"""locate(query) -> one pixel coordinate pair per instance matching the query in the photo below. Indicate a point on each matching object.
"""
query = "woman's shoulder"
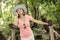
(27, 15)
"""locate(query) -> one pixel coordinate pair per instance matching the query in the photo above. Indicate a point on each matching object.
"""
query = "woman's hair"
(23, 13)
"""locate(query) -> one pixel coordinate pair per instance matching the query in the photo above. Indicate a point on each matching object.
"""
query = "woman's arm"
(38, 21)
(14, 24)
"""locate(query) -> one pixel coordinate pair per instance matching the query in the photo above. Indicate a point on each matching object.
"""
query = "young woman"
(22, 20)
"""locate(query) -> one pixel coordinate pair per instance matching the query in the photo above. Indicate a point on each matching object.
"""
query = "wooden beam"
(51, 33)
(13, 34)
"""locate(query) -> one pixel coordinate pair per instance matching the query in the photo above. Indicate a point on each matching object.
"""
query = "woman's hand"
(16, 14)
(49, 23)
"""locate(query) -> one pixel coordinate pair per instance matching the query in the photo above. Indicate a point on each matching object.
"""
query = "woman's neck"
(22, 16)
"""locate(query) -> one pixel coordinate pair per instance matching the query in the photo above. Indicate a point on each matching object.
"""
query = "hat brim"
(19, 6)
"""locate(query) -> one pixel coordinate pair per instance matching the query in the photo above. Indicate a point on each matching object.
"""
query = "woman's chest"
(24, 22)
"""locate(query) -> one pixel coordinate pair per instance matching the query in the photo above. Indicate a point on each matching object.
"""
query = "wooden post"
(51, 33)
(13, 34)
(56, 34)
(9, 38)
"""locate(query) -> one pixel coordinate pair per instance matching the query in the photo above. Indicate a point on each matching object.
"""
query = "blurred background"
(50, 9)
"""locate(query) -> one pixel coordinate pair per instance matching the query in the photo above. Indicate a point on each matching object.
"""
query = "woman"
(22, 20)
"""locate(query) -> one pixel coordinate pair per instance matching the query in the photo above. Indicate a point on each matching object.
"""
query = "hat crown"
(19, 6)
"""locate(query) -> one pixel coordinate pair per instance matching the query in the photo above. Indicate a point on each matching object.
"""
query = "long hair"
(22, 14)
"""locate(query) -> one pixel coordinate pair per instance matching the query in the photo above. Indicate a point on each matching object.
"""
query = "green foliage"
(35, 8)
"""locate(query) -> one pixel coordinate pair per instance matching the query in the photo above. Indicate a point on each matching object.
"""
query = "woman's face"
(20, 11)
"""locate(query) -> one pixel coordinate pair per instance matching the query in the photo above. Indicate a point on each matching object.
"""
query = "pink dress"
(25, 32)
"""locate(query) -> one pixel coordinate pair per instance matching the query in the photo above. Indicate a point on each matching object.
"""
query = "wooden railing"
(12, 37)
(51, 34)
